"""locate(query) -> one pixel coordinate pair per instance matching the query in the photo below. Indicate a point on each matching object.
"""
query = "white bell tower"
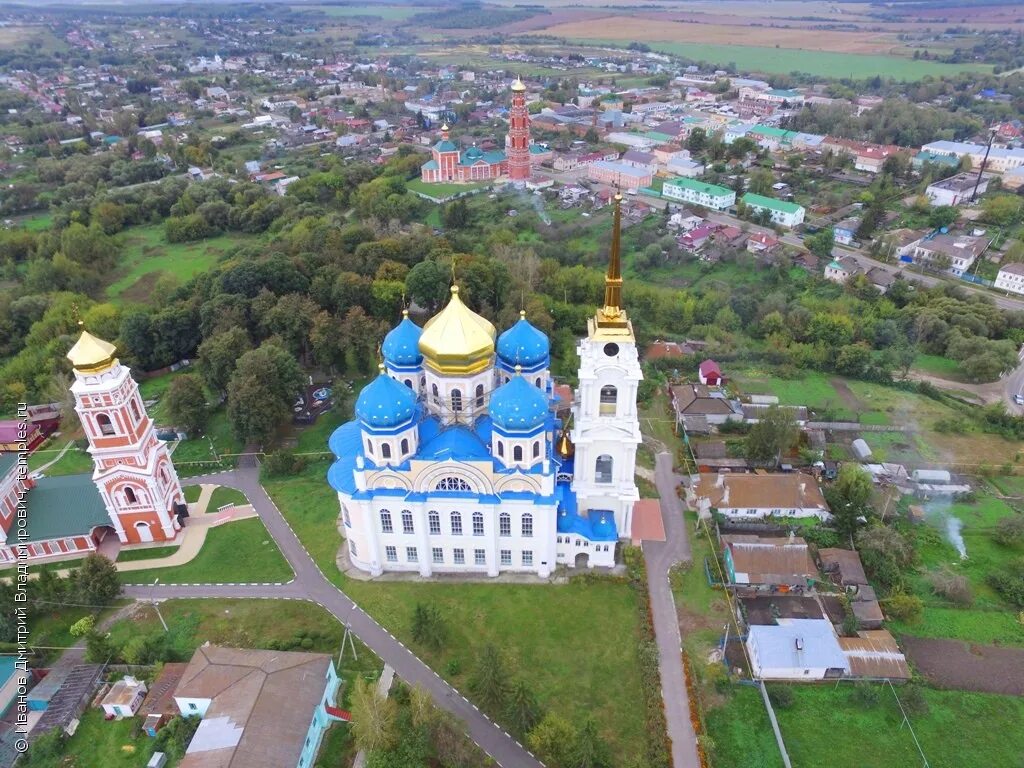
(606, 426)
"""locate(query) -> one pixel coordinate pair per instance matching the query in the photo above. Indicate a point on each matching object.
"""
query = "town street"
(660, 556)
(310, 584)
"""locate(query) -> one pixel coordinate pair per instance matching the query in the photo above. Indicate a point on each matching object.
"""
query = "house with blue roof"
(457, 462)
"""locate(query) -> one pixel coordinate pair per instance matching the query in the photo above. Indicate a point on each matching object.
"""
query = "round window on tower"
(611, 349)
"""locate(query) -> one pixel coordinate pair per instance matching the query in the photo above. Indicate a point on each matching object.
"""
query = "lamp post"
(984, 162)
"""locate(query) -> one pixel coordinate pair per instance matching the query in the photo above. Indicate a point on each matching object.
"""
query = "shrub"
(903, 607)
(913, 700)
(1009, 582)
(83, 626)
(781, 696)
(866, 694)
(952, 586)
(453, 668)
(1010, 531)
(283, 463)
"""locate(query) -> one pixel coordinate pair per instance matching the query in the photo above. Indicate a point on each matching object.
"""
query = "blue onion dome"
(518, 406)
(523, 344)
(474, 153)
(385, 402)
(402, 344)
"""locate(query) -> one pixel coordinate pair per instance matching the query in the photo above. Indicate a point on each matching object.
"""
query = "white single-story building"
(796, 649)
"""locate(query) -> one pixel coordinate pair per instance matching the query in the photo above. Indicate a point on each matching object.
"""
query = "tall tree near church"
(373, 717)
(490, 681)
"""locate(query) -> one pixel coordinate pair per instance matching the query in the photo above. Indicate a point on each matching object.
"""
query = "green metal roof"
(430, 165)
(698, 186)
(658, 136)
(446, 146)
(64, 506)
(760, 201)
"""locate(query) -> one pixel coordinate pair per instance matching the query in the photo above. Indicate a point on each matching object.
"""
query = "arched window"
(135, 409)
(385, 450)
(435, 393)
(501, 449)
(434, 521)
(423, 381)
(456, 521)
(536, 448)
(452, 484)
(504, 524)
(369, 447)
(345, 517)
(479, 395)
(536, 382)
(478, 524)
(385, 522)
(129, 496)
(456, 401)
(106, 428)
(405, 445)
(163, 476)
(408, 383)
(527, 525)
(603, 469)
(407, 522)
(609, 397)
(517, 453)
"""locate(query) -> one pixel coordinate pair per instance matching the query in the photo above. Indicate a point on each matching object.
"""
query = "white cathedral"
(456, 462)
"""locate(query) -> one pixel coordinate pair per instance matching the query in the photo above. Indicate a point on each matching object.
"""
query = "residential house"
(260, 709)
(638, 159)
(900, 243)
(688, 169)
(782, 212)
(843, 566)
(845, 231)
(872, 159)
(757, 561)
(796, 649)
(957, 189)
(694, 239)
(699, 407)
(790, 494)
(661, 349)
(1000, 159)
(881, 279)
(710, 373)
(762, 242)
(842, 268)
(954, 253)
(685, 220)
(1011, 278)
(698, 193)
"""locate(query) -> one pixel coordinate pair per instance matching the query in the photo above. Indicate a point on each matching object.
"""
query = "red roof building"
(710, 373)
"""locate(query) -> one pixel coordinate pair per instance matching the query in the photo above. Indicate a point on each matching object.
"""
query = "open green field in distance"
(386, 12)
(147, 256)
(441, 190)
(752, 58)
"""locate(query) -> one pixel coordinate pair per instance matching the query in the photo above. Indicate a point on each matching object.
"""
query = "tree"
(697, 140)
(427, 284)
(373, 717)
(186, 403)
(770, 437)
(821, 243)
(942, 216)
(553, 740)
(261, 392)
(885, 554)
(490, 679)
(95, 581)
(1010, 531)
(218, 356)
(590, 750)
(428, 627)
(522, 710)
(761, 182)
(848, 498)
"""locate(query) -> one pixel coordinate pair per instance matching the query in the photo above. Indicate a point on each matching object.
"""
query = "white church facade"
(457, 463)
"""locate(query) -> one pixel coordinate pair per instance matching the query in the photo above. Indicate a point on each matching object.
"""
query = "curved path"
(660, 556)
(310, 584)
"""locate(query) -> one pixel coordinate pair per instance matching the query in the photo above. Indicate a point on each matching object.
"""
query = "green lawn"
(987, 627)
(386, 12)
(812, 389)
(752, 58)
(442, 190)
(151, 553)
(222, 496)
(210, 451)
(241, 551)
(147, 256)
(75, 461)
(38, 223)
(936, 365)
(741, 731)
(101, 744)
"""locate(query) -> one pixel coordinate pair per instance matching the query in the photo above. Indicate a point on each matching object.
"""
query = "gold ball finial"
(444, 126)
(519, 369)
(405, 313)
(522, 314)
(380, 368)
(455, 290)
(618, 197)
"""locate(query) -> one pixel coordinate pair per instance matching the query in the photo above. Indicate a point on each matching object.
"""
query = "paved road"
(310, 584)
(660, 556)
(1013, 384)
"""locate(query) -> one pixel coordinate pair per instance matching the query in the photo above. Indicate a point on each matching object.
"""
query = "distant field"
(749, 58)
(147, 256)
(24, 36)
(441, 190)
(386, 12)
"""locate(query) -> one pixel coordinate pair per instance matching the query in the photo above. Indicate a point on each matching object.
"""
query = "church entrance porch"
(582, 560)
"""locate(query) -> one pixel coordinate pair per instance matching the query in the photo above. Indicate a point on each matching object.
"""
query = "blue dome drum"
(385, 403)
(523, 345)
(518, 406)
(401, 346)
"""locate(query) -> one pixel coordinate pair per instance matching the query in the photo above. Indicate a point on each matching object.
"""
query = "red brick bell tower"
(517, 144)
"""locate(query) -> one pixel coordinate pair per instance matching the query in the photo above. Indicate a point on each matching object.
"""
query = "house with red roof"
(709, 373)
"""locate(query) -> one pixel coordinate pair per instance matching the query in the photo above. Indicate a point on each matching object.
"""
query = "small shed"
(158, 760)
(152, 724)
(931, 476)
(710, 373)
(124, 698)
(861, 449)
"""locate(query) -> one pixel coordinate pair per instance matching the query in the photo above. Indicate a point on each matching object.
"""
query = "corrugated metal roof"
(64, 506)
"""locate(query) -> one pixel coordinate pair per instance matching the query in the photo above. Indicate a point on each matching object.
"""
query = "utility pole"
(156, 606)
(984, 162)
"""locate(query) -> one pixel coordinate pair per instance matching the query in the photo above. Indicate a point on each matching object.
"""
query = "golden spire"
(565, 447)
(612, 315)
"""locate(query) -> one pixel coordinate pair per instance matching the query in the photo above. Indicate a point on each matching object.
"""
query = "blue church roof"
(459, 443)
(518, 406)
(597, 525)
(401, 345)
(524, 345)
(346, 443)
(385, 403)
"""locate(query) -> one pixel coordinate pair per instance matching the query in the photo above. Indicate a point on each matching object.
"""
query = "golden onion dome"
(518, 86)
(91, 355)
(457, 340)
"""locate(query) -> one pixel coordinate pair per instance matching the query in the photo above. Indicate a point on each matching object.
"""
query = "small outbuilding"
(861, 449)
(796, 649)
(931, 476)
(124, 698)
(710, 373)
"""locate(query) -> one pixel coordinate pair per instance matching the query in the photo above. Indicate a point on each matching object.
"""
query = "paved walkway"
(660, 556)
(311, 584)
(51, 462)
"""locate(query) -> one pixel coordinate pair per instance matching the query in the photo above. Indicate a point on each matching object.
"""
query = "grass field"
(534, 625)
(936, 365)
(812, 389)
(385, 12)
(749, 58)
(441, 190)
(98, 743)
(240, 551)
(38, 223)
(75, 461)
(147, 256)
